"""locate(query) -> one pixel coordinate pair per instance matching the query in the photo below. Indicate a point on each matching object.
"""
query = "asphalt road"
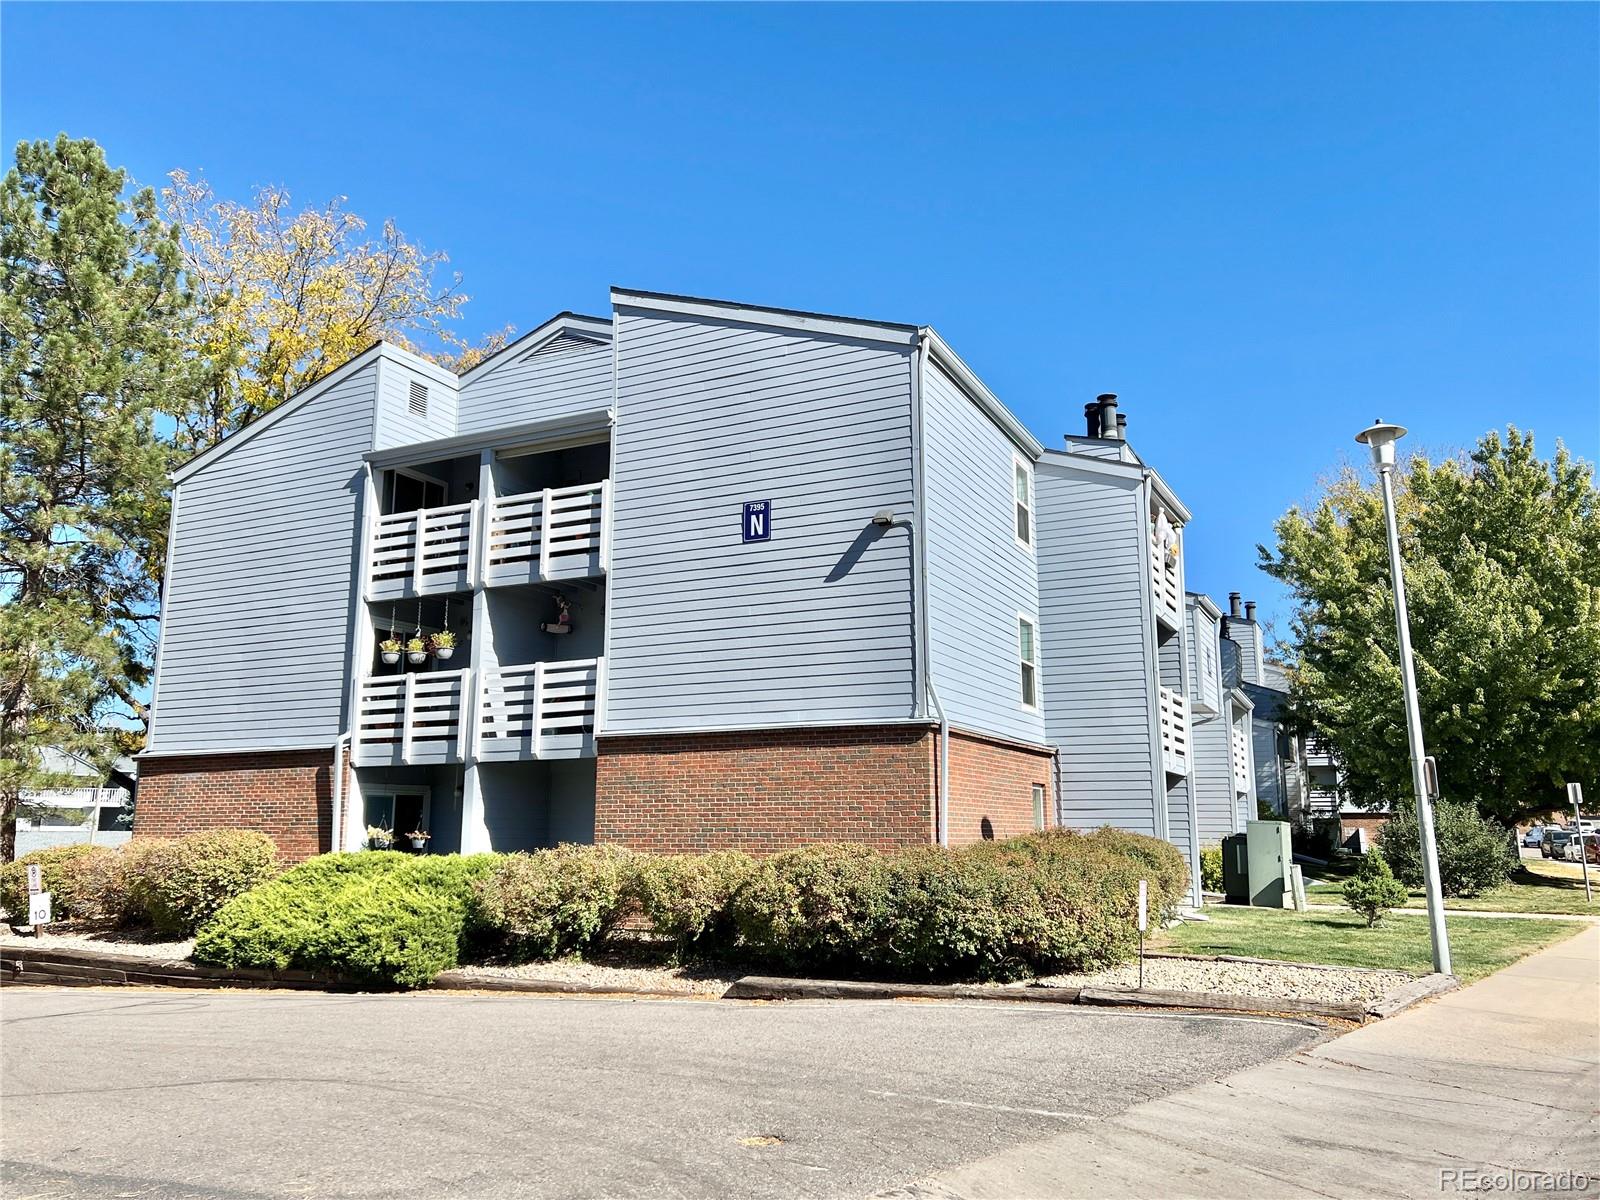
(215, 1094)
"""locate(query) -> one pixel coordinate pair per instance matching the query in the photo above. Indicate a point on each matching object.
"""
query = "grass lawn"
(1541, 886)
(1479, 946)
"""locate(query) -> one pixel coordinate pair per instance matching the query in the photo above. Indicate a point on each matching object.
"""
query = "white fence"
(429, 550)
(1164, 581)
(1174, 732)
(1241, 759)
(412, 718)
(541, 710)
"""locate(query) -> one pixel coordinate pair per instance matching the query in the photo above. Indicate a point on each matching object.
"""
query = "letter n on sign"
(758, 520)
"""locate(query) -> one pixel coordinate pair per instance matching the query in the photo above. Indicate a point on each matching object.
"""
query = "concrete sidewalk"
(1500, 1076)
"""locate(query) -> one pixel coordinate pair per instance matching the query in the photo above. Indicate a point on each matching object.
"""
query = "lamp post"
(1380, 438)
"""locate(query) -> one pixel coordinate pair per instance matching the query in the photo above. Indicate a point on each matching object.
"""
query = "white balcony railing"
(1241, 759)
(541, 710)
(412, 718)
(1174, 732)
(1165, 581)
(426, 551)
(558, 533)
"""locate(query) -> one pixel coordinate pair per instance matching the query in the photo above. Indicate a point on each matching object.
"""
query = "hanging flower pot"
(419, 839)
(443, 644)
(416, 651)
(390, 649)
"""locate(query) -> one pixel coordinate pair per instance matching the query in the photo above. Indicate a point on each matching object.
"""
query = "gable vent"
(566, 343)
(419, 399)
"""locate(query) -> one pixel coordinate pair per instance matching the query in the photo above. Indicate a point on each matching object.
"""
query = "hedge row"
(1043, 903)
(173, 886)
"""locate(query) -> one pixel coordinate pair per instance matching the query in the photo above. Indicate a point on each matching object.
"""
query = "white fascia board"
(1239, 698)
(1206, 605)
(238, 438)
(1168, 497)
(423, 366)
(775, 318)
(980, 395)
(1129, 474)
(598, 328)
(596, 422)
(762, 726)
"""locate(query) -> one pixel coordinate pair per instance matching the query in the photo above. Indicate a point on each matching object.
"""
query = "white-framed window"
(1028, 658)
(1022, 509)
(1038, 806)
(399, 808)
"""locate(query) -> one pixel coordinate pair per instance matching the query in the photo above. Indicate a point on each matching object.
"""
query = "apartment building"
(694, 574)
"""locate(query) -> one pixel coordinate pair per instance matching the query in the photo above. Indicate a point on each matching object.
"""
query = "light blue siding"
(261, 597)
(396, 423)
(1212, 778)
(979, 576)
(1094, 639)
(815, 625)
(566, 376)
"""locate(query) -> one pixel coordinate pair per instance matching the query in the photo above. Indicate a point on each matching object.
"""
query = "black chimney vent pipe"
(1122, 427)
(1233, 605)
(1091, 418)
(1249, 610)
(1107, 402)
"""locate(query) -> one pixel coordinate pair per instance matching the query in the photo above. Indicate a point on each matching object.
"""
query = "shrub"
(550, 903)
(1475, 853)
(1373, 890)
(381, 918)
(71, 874)
(814, 906)
(1211, 868)
(180, 884)
(1165, 867)
(688, 896)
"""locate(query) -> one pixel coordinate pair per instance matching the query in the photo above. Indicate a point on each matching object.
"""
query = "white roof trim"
(1168, 496)
(1206, 604)
(563, 322)
(967, 380)
(1083, 464)
(239, 437)
(416, 362)
(776, 318)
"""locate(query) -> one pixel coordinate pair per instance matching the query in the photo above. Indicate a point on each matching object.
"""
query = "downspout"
(340, 754)
(920, 549)
(944, 768)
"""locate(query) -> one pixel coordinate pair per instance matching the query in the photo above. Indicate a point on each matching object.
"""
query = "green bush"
(550, 903)
(1373, 890)
(687, 897)
(1165, 867)
(180, 884)
(816, 906)
(380, 918)
(1475, 853)
(1211, 868)
(71, 874)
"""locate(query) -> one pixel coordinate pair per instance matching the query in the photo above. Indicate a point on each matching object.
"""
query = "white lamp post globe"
(1381, 437)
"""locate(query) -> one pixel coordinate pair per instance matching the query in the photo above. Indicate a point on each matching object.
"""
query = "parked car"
(1555, 842)
(1534, 836)
(1579, 845)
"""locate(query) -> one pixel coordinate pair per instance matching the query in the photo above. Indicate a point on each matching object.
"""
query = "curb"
(20, 965)
(774, 987)
(1413, 993)
(460, 981)
(1347, 1010)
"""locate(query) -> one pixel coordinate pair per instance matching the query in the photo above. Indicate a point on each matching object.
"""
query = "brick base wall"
(287, 795)
(991, 788)
(767, 790)
(1371, 826)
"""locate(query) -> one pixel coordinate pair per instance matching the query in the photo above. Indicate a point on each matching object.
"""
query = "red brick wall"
(767, 790)
(287, 795)
(991, 787)
(1373, 825)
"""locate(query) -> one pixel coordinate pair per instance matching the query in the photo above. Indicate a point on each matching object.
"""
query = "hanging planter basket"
(443, 653)
(390, 657)
(416, 651)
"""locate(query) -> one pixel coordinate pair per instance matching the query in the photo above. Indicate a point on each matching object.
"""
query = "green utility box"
(1271, 856)
(1236, 868)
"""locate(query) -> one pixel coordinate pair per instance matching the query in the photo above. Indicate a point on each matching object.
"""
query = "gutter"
(943, 818)
(340, 743)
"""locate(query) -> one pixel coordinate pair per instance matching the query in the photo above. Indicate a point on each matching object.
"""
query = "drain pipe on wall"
(944, 766)
(334, 841)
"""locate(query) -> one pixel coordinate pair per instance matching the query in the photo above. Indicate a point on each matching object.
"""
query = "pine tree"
(91, 338)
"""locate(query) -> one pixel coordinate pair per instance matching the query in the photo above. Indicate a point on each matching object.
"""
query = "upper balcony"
(1166, 576)
(1174, 732)
(1241, 758)
(533, 537)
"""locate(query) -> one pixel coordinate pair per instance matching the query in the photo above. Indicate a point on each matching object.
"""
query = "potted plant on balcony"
(419, 839)
(379, 838)
(390, 648)
(416, 651)
(563, 621)
(443, 644)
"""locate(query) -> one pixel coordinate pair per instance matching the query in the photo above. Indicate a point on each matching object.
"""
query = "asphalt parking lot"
(236, 1094)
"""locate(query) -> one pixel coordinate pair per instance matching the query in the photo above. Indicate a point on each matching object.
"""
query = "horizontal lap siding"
(565, 379)
(979, 576)
(1215, 805)
(706, 632)
(397, 425)
(258, 608)
(1092, 636)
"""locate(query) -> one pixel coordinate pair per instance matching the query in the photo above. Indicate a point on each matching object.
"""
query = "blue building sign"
(758, 520)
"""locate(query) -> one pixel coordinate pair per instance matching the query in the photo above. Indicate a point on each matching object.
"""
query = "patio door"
(400, 810)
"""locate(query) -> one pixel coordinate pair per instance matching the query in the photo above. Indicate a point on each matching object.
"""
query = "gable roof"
(562, 328)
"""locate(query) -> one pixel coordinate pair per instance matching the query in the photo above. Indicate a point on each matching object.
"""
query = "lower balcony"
(1174, 732)
(1241, 760)
(541, 710)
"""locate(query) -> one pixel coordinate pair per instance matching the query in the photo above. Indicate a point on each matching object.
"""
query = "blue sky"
(1261, 225)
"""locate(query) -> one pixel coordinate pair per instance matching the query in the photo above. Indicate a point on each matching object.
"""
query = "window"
(419, 399)
(1038, 806)
(1028, 653)
(1022, 484)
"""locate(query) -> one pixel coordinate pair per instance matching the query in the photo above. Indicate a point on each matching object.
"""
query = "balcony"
(555, 534)
(541, 710)
(1166, 586)
(1241, 760)
(1174, 732)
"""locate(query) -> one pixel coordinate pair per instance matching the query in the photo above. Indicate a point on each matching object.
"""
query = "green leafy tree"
(91, 337)
(1502, 569)
(1373, 890)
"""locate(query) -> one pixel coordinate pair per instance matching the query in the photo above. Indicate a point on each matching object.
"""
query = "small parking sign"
(39, 909)
(758, 520)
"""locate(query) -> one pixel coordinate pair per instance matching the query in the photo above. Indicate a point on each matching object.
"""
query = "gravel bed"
(690, 981)
(105, 942)
(1268, 980)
